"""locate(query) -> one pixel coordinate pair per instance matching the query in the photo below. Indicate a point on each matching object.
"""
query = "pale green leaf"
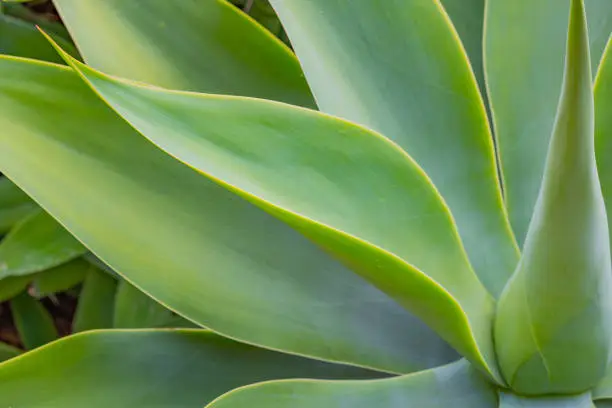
(95, 307)
(133, 309)
(147, 368)
(456, 385)
(574, 401)
(348, 189)
(397, 67)
(192, 45)
(60, 278)
(551, 330)
(218, 261)
(524, 49)
(33, 322)
(37, 243)
(15, 205)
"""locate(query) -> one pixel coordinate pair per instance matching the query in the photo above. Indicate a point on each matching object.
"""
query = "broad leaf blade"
(96, 302)
(60, 278)
(33, 322)
(524, 49)
(15, 205)
(37, 243)
(348, 189)
(551, 328)
(456, 385)
(12, 286)
(191, 45)
(134, 310)
(7, 352)
(218, 260)
(147, 368)
(515, 401)
(397, 67)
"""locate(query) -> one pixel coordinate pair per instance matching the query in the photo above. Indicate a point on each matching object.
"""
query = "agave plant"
(359, 239)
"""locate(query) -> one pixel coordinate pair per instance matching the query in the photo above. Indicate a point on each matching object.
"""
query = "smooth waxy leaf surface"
(14, 205)
(12, 286)
(133, 309)
(218, 261)
(397, 67)
(524, 49)
(125, 369)
(60, 278)
(37, 243)
(95, 308)
(301, 166)
(515, 401)
(190, 45)
(551, 330)
(33, 322)
(455, 385)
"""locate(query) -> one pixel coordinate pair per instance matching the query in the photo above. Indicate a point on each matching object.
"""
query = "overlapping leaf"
(218, 260)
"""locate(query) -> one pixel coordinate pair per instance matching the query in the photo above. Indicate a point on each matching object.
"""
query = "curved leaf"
(348, 189)
(148, 368)
(218, 261)
(37, 243)
(7, 352)
(192, 45)
(552, 328)
(12, 286)
(515, 401)
(14, 205)
(95, 307)
(397, 67)
(524, 49)
(33, 322)
(60, 278)
(456, 385)
(133, 309)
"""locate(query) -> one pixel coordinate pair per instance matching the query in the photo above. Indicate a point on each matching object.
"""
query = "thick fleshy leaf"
(301, 167)
(133, 309)
(515, 401)
(552, 328)
(7, 352)
(15, 205)
(37, 243)
(22, 39)
(468, 18)
(95, 308)
(60, 278)
(456, 385)
(33, 322)
(219, 261)
(524, 49)
(147, 368)
(12, 286)
(397, 67)
(191, 45)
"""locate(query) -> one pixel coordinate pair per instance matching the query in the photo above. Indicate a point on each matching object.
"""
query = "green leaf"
(191, 45)
(33, 322)
(218, 261)
(524, 49)
(134, 310)
(95, 307)
(574, 401)
(301, 167)
(14, 205)
(60, 278)
(7, 352)
(551, 330)
(456, 385)
(12, 286)
(37, 243)
(22, 39)
(147, 368)
(21, 12)
(397, 67)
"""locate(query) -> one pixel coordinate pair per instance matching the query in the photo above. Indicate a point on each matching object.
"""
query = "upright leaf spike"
(553, 329)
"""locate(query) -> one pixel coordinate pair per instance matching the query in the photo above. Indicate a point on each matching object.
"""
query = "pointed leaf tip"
(551, 333)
